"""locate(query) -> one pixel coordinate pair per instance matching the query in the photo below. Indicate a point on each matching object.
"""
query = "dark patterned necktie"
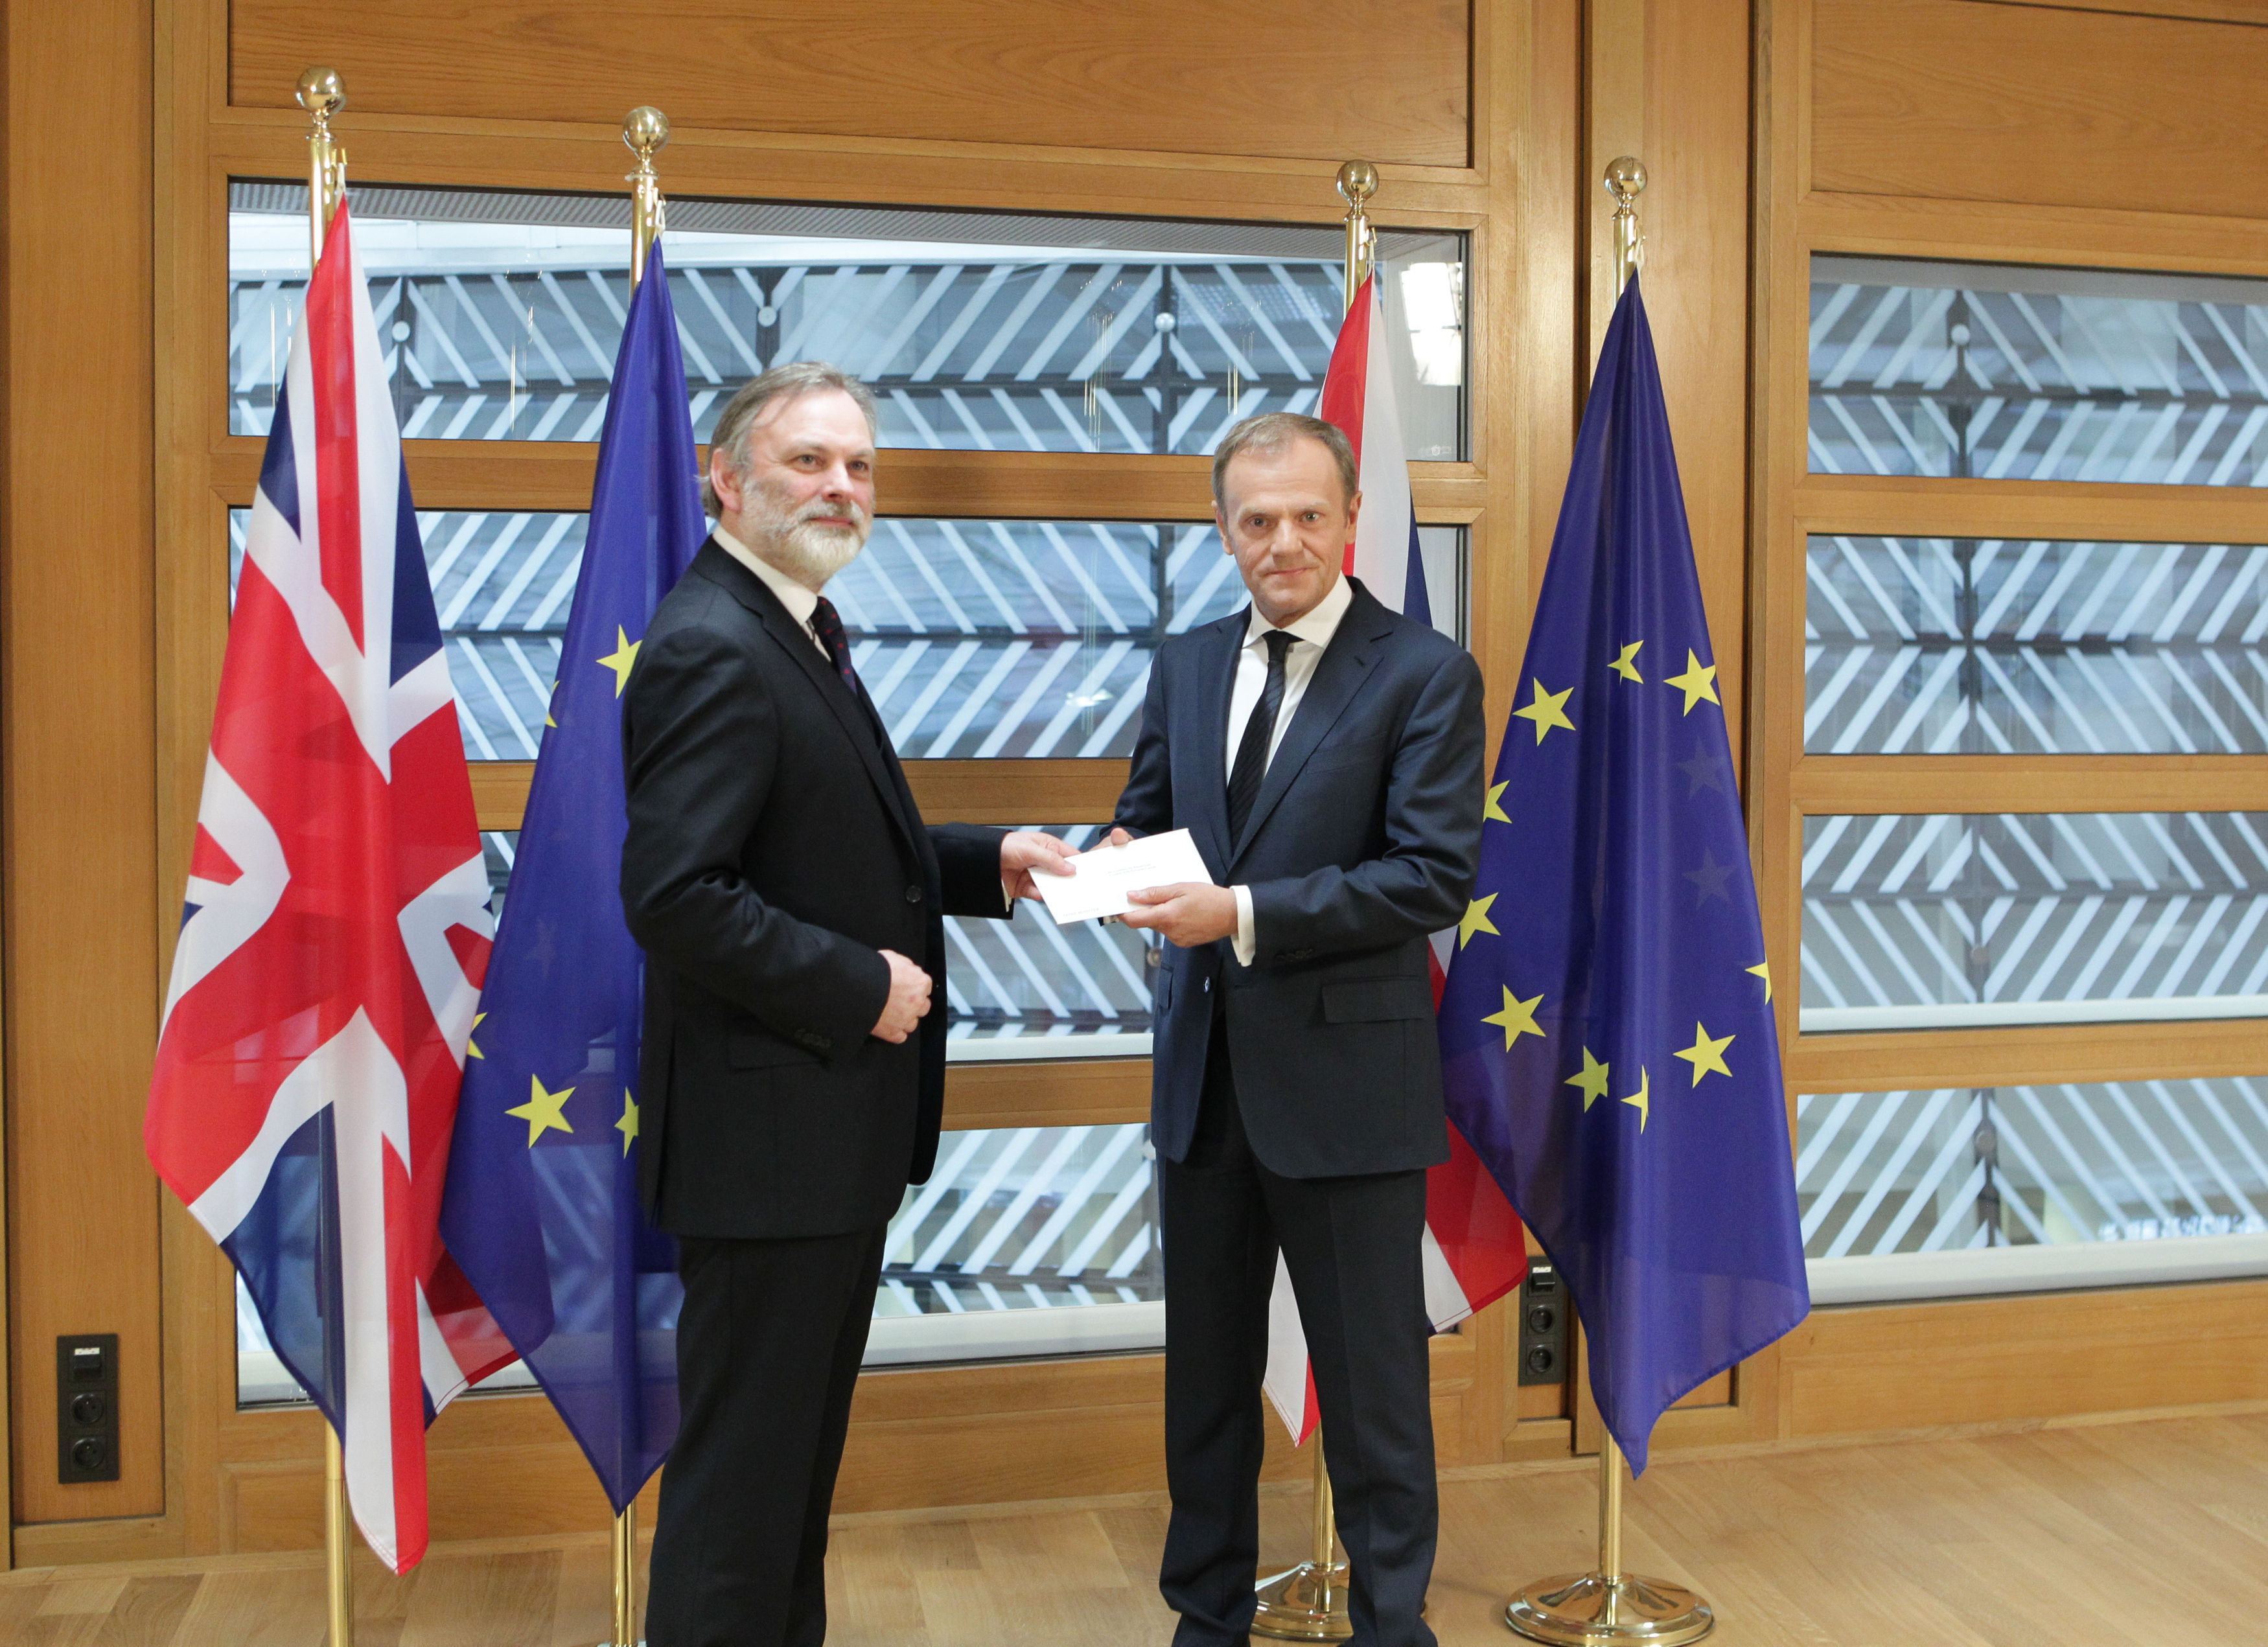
(1252, 754)
(826, 625)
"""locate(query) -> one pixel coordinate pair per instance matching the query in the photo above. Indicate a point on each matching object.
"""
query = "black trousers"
(1351, 1245)
(768, 1352)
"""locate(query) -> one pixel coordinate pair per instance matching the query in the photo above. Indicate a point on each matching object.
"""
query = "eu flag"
(1606, 1032)
(541, 1207)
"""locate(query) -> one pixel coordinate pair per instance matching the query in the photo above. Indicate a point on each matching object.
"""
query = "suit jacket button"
(913, 894)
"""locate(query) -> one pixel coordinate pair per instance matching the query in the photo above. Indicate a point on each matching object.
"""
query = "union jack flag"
(335, 932)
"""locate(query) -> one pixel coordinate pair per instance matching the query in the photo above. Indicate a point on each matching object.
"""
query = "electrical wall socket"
(86, 1408)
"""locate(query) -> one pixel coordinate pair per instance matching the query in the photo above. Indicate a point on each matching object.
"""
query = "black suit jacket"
(773, 850)
(1365, 840)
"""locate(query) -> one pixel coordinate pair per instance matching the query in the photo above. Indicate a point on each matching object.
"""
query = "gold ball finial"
(646, 130)
(1358, 182)
(322, 92)
(1626, 179)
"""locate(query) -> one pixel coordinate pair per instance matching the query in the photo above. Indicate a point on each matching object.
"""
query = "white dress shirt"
(1314, 633)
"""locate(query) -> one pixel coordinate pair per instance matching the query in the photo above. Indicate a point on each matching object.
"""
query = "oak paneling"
(1908, 1366)
(1318, 79)
(2031, 783)
(81, 919)
(2023, 1055)
(1955, 99)
(1669, 84)
(1074, 1092)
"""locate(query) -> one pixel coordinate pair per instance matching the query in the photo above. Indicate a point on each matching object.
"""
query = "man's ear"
(1220, 525)
(724, 482)
(1354, 514)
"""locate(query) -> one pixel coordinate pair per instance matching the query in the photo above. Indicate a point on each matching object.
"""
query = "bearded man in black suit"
(791, 905)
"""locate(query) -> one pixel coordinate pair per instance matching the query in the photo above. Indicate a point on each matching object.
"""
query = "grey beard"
(810, 554)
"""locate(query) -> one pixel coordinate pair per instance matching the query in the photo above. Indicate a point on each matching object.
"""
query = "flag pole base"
(1587, 1610)
(1307, 1604)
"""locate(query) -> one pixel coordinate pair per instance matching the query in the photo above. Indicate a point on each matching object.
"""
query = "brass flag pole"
(1308, 1602)
(1626, 180)
(336, 1527)
(322, 96)
(1611, 1607)
(646, 130)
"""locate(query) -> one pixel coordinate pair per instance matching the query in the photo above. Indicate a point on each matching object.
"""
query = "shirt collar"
(1318, 626)
(799, 601)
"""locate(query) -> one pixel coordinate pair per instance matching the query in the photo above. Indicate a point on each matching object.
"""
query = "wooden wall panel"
(1309, 79)
(81, 922)
(1956, 100)
(1995, 1360)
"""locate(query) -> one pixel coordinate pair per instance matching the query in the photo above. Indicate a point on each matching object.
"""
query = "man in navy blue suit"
(1326, 754)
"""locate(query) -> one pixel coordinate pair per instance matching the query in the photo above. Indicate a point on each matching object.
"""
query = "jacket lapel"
(1339, 675)
(1208, 814)
(860, 726)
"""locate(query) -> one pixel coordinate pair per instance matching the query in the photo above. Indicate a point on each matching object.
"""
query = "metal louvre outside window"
(2000, 372)
(1995, 661)
(976, 331)
(1992, 646)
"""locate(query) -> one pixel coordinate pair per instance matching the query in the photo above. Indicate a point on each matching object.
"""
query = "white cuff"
(1246, 940)
(1007, 897)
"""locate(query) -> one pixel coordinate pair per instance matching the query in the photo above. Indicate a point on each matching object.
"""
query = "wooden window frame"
(1786, 784)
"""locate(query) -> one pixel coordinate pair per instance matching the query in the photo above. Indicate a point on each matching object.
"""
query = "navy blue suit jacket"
(1365, 840)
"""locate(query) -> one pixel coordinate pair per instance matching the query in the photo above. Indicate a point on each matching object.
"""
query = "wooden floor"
(2092, 1535)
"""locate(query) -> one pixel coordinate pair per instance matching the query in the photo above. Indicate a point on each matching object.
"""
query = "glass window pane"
(1994, 646)
(978, 331)
(2002, 372)
(1923, 922)
(1916, 1172)
(975, 639)
(1025, 1242)
(1039, 1240)
(1029, 989)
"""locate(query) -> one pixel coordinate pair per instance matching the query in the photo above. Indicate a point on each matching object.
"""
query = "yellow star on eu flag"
(1699, 681)
(1762, 969)
(1641, 1100)
(1592, 1079)
(1626, 665)
(1706, 1055)
(471, 1051)
(1493, 811)
(541, 1110)
(1517, 1017)
(628, 1125)
(621, 658)
(1548, 710)
(1477, 920)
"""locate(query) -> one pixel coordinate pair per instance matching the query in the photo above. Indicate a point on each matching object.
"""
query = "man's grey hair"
(781, 383)
(1268, 433)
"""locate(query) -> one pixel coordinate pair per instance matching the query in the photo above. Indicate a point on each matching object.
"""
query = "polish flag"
(1474, 1252)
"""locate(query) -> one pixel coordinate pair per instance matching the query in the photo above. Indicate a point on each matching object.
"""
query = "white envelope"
(1101, 879)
